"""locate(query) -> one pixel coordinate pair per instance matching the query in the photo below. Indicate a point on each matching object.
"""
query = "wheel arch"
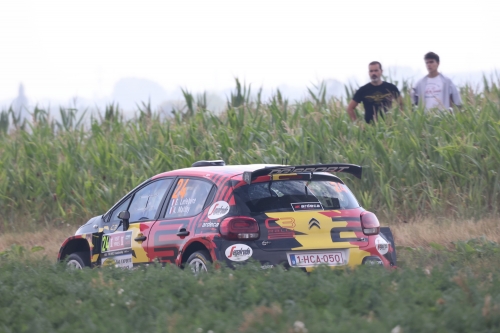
(192, 248)
(75, 245)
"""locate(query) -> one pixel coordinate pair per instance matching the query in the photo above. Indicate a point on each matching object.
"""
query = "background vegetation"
(435, 290)
(416, 164)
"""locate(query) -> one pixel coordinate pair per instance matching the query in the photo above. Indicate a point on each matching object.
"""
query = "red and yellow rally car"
(296, 216)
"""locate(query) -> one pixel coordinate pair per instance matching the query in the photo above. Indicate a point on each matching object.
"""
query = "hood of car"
(89, 226)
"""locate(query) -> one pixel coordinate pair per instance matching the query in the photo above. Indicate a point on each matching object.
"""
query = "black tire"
(198, 261)
(76, 261)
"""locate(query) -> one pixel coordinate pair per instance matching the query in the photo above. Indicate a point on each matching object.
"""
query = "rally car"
(296, 216)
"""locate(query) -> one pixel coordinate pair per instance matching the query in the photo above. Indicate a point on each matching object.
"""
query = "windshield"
(294, 195)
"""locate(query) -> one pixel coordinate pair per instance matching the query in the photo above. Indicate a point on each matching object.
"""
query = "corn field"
(416, 164)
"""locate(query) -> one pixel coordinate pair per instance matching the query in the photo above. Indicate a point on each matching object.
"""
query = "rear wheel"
(198, 261)
(75, 261)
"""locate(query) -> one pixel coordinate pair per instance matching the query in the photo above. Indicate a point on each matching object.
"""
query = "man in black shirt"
(376, 95)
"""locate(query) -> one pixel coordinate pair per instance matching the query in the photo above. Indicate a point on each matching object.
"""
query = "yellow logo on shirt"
(378, 97)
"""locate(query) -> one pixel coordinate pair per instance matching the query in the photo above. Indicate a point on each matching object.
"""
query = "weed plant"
(435, 295)
(416, 164)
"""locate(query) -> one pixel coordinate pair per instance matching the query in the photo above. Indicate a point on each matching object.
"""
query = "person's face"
(432, 65)
(375, 72)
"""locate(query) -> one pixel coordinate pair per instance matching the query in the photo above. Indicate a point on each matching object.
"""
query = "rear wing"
(353, 169)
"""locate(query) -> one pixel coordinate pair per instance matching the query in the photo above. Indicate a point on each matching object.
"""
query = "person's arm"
(350, 109)
(400, 102)
(455, 98)
(415, 93)
(397, 95)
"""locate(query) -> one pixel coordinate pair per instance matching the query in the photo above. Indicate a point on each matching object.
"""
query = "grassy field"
(437, 290)
(416, 165)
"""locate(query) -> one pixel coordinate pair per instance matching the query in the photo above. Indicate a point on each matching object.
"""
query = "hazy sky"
(63, 48)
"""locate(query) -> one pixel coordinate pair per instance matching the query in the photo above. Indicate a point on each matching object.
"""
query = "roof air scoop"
(208, 163)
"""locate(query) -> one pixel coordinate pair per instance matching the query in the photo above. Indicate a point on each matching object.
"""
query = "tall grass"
(416, 164)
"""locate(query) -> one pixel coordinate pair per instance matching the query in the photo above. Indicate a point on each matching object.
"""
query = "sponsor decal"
(267, 266)
(119, 258)
(116, 241)
(295, 170)
(381, 245)
(117, 249)
(314, 223)
(239, 252)
(181, 203)
(181, 206)
(123, 241)
(282, 230)
(210, 225)
(124, 261)
(218, 210)
(306, 206)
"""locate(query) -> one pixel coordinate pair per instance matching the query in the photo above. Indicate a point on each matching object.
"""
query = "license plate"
(310, 259)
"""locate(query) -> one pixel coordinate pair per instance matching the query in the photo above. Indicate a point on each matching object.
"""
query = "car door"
(126, 248)
(174, 227)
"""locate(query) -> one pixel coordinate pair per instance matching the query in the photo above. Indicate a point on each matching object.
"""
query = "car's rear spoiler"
(353, 169)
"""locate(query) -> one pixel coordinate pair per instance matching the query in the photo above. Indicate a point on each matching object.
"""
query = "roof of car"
(211, 171)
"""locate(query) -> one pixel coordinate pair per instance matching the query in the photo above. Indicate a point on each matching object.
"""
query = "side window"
(147, 200)
(188, 198)
(114, 215)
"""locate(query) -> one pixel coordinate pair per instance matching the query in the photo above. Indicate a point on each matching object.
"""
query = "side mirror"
(124, 216)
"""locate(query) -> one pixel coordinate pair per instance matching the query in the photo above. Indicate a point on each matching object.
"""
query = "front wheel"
(75, 261)
(198, 261)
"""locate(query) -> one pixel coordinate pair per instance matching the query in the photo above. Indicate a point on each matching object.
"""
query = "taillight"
(239, 228)
(370, 224)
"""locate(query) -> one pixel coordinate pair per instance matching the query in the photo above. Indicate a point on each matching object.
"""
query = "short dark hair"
(431, 55)
(375, 63)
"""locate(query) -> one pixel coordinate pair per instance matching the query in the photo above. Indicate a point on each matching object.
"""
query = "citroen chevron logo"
(314, 223)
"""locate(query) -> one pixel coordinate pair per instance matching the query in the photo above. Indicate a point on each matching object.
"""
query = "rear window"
(294, 195)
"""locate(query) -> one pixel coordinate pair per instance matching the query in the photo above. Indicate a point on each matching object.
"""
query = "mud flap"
(387, 234)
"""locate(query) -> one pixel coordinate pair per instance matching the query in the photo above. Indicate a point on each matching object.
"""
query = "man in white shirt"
(435, 91)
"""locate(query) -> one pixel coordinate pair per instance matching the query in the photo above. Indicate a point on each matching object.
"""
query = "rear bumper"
(269, 259)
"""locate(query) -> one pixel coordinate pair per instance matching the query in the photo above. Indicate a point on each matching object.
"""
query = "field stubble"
(415, 234)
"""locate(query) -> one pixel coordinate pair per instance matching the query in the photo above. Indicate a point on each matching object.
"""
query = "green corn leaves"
(415, 164)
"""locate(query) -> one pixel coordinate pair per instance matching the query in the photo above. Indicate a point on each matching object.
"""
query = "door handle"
(182, 232)
(140, 238)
